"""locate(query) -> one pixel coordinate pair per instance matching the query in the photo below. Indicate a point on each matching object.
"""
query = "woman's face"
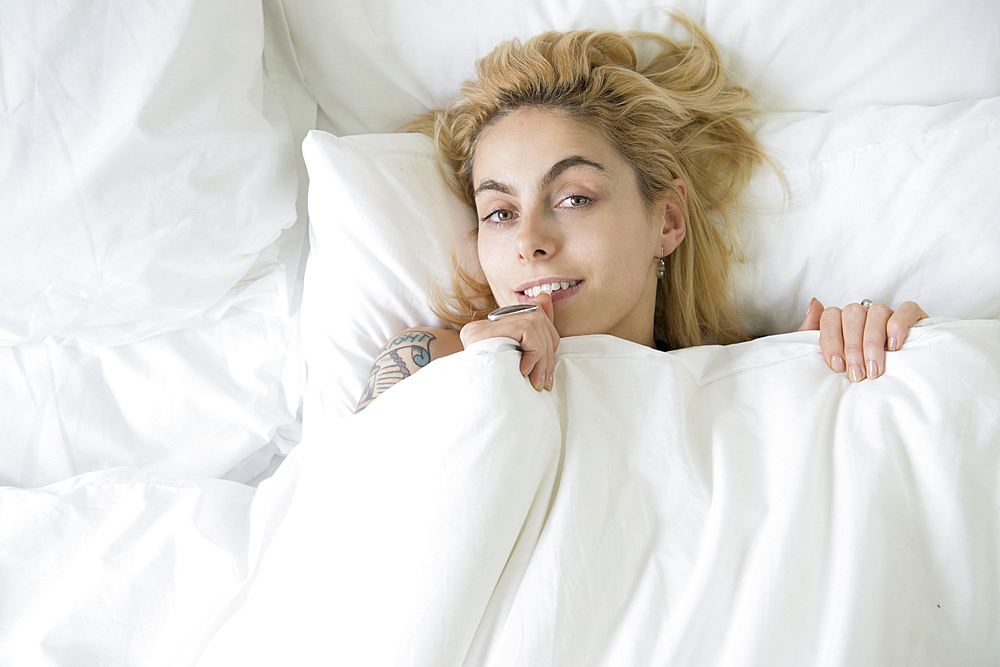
(560, 210)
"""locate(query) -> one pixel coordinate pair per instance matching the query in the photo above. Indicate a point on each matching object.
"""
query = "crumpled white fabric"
(192, 402)
(737, 505)
(119, 567)
(147, 168)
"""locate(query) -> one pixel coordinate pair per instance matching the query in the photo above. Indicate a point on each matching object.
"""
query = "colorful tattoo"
(399, 358)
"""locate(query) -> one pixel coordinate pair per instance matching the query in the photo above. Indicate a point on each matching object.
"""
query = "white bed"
(211, 228)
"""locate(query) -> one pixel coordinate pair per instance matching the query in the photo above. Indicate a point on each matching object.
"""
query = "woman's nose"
(535, 236)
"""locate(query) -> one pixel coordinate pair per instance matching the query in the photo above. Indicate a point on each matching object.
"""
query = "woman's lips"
(557, 295)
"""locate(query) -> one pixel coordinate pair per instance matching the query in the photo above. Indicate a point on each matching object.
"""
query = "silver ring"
(510, 310)
(867, 303)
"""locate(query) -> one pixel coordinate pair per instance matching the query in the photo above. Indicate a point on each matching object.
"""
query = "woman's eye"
(499, 215)
(575, 201)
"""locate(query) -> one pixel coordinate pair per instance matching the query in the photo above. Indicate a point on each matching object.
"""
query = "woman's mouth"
(557, 290)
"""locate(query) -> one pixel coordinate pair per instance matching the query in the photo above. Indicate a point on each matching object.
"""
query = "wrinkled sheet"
(119, 567)
(193, 402)
(736, 505)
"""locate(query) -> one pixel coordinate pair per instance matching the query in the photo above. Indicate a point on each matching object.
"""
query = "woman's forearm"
(403, 355)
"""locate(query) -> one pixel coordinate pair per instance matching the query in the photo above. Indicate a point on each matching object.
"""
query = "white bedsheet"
(737, 505)
(117, 567)
(193, 402)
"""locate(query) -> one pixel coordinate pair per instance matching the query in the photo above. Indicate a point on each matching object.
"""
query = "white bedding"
(150, 271)
(732, 506)
(147, 167)
(737, 505)
(153, 295)
(196, 402)
(117, 567)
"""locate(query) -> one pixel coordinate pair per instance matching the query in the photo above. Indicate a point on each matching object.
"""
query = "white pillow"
(145, 166)
(888, 203)
(823, 55)
(383, 227)
(373, 65)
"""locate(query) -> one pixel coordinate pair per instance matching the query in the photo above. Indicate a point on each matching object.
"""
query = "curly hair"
(673, 114)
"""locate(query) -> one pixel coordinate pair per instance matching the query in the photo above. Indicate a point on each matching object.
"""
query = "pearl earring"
(661, 270)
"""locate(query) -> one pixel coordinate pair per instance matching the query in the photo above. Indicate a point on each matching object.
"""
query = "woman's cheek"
(488, 260)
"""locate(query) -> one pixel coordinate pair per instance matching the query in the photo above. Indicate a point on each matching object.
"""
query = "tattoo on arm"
(399, 358)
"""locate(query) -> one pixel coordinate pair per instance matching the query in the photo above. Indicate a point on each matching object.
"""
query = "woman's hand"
(854, 339)
(534, 331)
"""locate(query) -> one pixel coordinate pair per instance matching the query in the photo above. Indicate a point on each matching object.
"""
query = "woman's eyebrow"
(570, 163)
(490, 184)
(552, 174)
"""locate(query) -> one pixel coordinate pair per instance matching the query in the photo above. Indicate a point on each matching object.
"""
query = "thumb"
(545, 301)
(813, 313)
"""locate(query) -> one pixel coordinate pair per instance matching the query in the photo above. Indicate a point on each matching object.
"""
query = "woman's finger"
(854, 340)
(535, 335)
(813, 314)
(853, 319)
(899, 324)
(535, 343)
(542, 373)
(530, 356)
(831, 338)
(875, 339)
(544, 300)
(533, 359)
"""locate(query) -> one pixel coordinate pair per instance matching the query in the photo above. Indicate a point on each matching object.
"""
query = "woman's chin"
(571, 329)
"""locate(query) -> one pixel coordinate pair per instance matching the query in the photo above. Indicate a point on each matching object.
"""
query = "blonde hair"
(674, 115)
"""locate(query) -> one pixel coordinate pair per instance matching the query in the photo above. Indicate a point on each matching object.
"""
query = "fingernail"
(893, 345)
(872, 369)
(552, 379)
(855, 373)
(838, 365)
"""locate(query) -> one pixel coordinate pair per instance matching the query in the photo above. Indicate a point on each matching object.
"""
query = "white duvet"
(737, 505)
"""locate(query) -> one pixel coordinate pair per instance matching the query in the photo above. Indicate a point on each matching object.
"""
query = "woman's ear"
(674, 212)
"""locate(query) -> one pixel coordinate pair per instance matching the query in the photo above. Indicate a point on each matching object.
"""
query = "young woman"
(607, 186)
